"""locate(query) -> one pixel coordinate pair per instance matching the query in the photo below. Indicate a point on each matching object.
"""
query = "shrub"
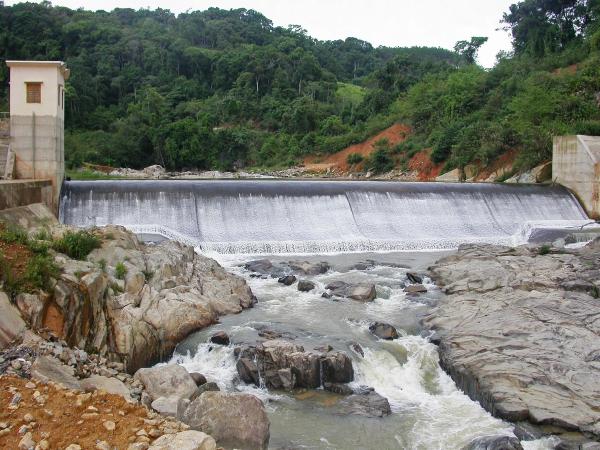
(39, 272)
(77, 244)
(544, 249)
(354, 158)
(13, 234)
(148, 275)
(120, 271)
(102, 265)
(380, 161)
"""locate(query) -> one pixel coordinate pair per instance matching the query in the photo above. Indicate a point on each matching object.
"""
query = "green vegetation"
(210, 89)
(354, 158)
(77, 244)
(25, 265)
(120, 271)
(220, 89)
(86, 174)
(544, 249)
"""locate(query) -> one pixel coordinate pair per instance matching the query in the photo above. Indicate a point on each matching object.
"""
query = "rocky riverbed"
(519, 331)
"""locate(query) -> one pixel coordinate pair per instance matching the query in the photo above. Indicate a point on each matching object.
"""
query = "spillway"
(273, 216)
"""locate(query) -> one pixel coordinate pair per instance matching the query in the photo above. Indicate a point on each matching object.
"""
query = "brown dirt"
(395, 134)
(572, 69)
(421, 163)
(16, 256)
(61, 418)
(501, 164)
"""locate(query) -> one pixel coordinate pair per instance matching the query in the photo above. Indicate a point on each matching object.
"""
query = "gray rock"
(110, 385)
(47, 368)
(220, 338)
(308, 268)
(524, 352)
(414, 277)
(171, 380)
(262, 266)
(383, 331)
(338, 388)
(234, 420)
(285, 365)
(415, 289)
(287, 280)
(364, 292)
(494, 443)
(210, 386)
(12, 325)
(305, 285)
(369, 404)
(166, 406)
(184, 440)
(198, 378)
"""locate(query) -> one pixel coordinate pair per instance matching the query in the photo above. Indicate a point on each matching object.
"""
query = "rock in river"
(369, 404)
(494, 443)
(220, 338)
(288, 280)
(514, 339)
(364, 292)
(305, 285)
(383, 331)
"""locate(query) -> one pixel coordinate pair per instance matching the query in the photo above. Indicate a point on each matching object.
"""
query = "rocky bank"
(519, 331)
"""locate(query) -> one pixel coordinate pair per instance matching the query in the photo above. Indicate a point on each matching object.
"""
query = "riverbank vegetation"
(220, 89)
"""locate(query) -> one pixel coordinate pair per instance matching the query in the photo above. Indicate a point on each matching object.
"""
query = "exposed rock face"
(520, 332)
(364, 292)
(167, 293)
(494, 443)
(234, 420)
(171, 380)
(368, 404)
(106, 384)
(285, 365)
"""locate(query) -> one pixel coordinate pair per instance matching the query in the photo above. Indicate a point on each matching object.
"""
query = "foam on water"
(321, 216)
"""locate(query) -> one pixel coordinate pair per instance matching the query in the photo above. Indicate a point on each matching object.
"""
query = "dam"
(273, 216)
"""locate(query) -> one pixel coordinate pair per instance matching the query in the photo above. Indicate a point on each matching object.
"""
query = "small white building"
(37, 113)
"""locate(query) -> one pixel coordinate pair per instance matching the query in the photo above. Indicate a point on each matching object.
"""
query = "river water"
(428, 411)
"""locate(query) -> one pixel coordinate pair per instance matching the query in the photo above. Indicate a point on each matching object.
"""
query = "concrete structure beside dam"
(33, 154)
(576, 165)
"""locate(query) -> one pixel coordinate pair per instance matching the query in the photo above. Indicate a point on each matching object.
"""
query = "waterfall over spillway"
(260, 216)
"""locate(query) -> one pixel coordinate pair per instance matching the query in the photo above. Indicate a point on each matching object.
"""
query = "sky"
(394, 23)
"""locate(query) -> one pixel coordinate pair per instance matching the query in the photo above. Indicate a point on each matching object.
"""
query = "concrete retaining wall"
(15, 193)
(38, 143)
(576, 165)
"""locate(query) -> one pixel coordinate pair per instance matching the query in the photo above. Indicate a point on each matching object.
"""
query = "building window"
(34, 92)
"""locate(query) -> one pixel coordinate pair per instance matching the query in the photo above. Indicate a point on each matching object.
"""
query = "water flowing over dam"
(271, 216)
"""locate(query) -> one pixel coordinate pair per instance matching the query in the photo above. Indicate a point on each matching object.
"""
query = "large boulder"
(494, 443)
(170, 380)
(364, 292)
(48, 368)
(185, 440)
(234, 420)
(12, 325)
(308, 268)
(285, 365)
(305, 285)
(368, 404)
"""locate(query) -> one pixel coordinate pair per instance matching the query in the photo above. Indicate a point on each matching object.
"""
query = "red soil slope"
(395, 134)
(422, 164)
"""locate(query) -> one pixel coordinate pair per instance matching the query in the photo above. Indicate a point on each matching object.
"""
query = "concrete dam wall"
(321, 216)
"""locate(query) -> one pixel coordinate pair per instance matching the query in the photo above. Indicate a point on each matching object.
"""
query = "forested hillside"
(220, 89)
(209, 89)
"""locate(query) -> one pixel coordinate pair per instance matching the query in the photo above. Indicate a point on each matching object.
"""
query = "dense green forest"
(221, 89)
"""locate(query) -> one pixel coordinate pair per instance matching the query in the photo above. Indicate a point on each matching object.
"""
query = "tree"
(469, 49)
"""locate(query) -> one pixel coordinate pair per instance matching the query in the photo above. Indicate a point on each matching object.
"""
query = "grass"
(77, 244)
(120, 271)
(544, 249)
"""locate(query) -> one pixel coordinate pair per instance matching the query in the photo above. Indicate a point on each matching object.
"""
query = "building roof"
(59, 64)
